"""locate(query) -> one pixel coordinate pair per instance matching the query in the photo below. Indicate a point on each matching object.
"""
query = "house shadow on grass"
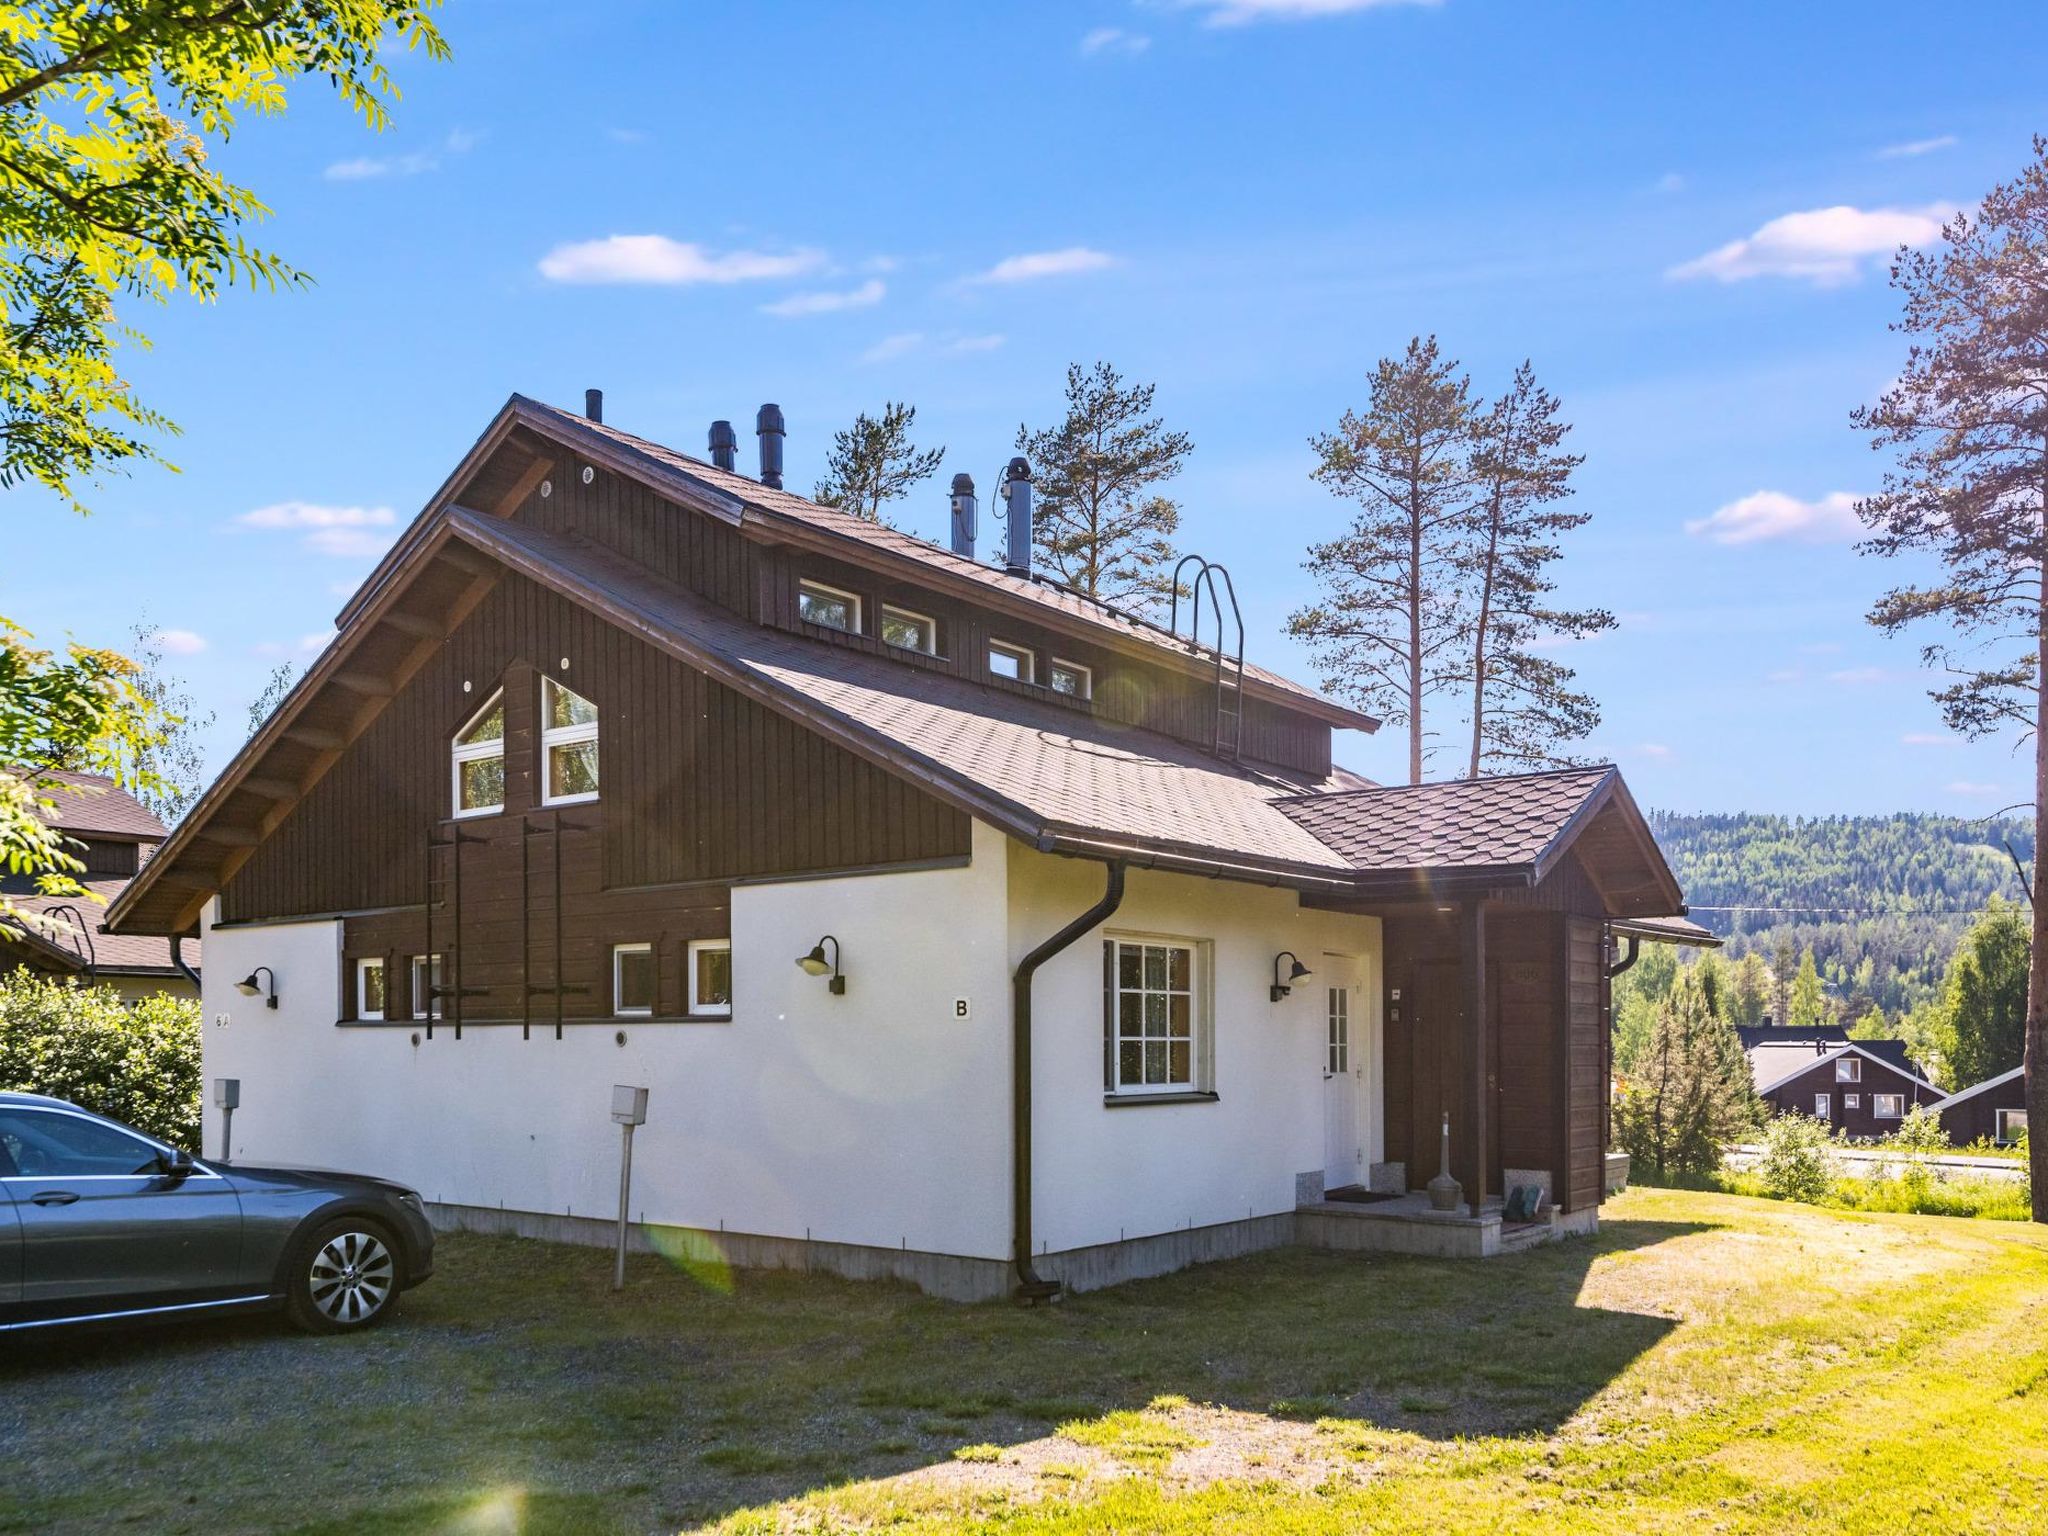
(675, 1403)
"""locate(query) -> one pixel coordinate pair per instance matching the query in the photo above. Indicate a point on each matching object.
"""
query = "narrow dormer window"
(909, 631)
(828, 607)
(1070, 678)
(1011, 661)
(478, 761)
(568, 745)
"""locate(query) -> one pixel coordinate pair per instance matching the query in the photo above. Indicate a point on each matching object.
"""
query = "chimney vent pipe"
(963, 516)
(769, 429)
(725, 445)
(1017, 500)
(593, 404)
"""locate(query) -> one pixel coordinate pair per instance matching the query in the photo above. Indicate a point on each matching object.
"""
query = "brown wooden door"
(1436, 1055)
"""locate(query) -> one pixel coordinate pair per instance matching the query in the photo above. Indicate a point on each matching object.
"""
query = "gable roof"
(1773, 1066)
(1976, 1088)
(92, 805)
(67, 949)
(765, 512)
(1049, 773)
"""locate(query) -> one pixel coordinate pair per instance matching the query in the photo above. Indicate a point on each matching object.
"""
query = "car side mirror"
(174, 1164)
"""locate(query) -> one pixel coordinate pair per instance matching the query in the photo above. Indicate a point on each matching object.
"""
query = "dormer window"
(478, 764)
(568, 745)
(909, 631)
(1070, 678)
(1011, 661)
(828, 607)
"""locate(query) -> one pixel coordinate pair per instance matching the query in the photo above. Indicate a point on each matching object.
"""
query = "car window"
(44, 1144)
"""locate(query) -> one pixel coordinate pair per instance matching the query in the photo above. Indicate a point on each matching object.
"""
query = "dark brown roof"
(114, 953)
(90, 805)
(1464, 824)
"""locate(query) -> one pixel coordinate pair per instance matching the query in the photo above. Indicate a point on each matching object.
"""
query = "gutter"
(178, 959)
(1031, 1288)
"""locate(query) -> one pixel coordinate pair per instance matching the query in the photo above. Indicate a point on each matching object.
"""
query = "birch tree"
(1966, 423)
(1389, 628)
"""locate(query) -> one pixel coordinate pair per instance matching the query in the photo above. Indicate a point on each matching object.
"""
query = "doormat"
(1358, 1194)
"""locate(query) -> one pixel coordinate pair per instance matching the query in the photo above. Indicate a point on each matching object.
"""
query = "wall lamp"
(815, 964)
(1296, 971)
(266, 989)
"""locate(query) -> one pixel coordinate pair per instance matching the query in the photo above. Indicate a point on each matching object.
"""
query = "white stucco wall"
(1105, 1173)
(875, 1118)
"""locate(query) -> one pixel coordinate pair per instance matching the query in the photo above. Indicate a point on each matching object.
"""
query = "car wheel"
(344, 1276)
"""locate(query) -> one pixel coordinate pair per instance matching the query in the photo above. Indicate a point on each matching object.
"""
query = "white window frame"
(1848, 1069)
(690, 1004)
(460, 752)
(1201, 1015)
(1087, 674)
(418, 969)
(2001, 1124)
(1824, 1107)
(552, 736)
(1023, 655)
(931, 628)
(1877, 1102)
(364, 966)
(1852, 1101)
(619, 1009)
(851, 599)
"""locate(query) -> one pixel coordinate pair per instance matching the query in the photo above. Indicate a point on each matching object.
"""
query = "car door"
(10, 1240)
(101, 1223)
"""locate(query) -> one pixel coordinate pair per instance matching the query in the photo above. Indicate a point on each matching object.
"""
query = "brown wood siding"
(1859, 1124)
(1567, 888)
(1586, 1078)
(1523, 953)
(699, 783)
(1976, 1118)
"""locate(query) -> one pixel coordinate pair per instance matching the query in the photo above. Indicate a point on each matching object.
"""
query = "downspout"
(1030, 1287)
(178, 959)
(1635, 951)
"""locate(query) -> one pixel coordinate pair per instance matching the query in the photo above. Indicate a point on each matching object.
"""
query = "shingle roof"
(1469, 823)
(109, 951)
(90, 804)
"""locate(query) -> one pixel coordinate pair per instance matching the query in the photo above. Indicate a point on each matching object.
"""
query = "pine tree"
(1784, 962)
(1752, 988)
(1523, 706)
(1100, 521)
(873, 462)
(1389, 629)
(1690, 1092)
(1968, 420)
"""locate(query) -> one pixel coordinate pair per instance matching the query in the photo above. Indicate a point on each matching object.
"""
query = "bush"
(1798, 1161)
(139, 1065)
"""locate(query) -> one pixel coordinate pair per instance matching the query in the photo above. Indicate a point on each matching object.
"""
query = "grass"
(1907, 1193)
(1708, 1363)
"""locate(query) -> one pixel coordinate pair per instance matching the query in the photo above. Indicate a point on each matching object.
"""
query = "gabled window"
(426, 981)
(1155, 1031)
(1888, 1106)
(370, 993)
(478, 761)
(1849, 1069)
(632, 978)
(819, 604)
(1070, 678)
(1011, 661)
(711, 977)
(568, 745)
(909, 631)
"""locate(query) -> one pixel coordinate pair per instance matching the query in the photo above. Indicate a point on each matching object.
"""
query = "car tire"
(344, 1274)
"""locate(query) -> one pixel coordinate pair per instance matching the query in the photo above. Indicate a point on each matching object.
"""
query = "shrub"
(1798, 1160)
(139, 1065)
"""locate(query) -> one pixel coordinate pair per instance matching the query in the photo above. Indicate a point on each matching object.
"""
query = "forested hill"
(1882, 899)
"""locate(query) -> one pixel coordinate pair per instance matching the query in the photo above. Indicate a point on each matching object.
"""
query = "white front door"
(1343, 1075)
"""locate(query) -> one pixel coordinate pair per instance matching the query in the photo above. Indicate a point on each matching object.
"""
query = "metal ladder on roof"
(1227, 736)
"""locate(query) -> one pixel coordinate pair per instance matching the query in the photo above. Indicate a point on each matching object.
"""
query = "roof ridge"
(1602, 769)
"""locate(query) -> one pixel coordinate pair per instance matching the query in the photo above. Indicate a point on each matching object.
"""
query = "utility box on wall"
(629, 1105)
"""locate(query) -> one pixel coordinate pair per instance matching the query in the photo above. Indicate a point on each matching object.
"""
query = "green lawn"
(1708, 1364)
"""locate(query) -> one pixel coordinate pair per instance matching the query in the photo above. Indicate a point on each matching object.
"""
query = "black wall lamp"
(266, 989)
(815, 964)
(1296, 972)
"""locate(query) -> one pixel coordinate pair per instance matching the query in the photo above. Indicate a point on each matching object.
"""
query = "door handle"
(54, 1197)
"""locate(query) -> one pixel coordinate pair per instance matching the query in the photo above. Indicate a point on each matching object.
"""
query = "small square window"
(1823, 1107)
(632, 978)
(1849, 1069)
(1070, 678)
(370, 989)
(1011, 661)
(1852, 1101)
(1888, 1106)
(909, 631)
(711, 977)
(828, 607)
(2012, 1124)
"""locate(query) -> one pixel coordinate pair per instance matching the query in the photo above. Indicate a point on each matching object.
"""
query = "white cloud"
(1036, 264)
(1914, 148)
(1775, 515)
(181, 642)
(799, 304)
(1238, 13)
(893, 346)
(1927, 739)
(460, 141)
(1655, 749)
(344, 533)
(348, 543)
(305, 645)
(658, 259)
(961, 345)
(1825, 246)
(1785, 675)
(1113, 40)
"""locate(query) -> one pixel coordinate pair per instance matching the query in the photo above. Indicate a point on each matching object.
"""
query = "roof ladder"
(1227, 732)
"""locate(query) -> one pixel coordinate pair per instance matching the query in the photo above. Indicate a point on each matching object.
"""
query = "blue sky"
(1681, 214)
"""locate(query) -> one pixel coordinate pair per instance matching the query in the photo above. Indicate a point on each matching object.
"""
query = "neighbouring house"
(1994, 1110)
(113, 834)
(1863, 1088)
(960, 927)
